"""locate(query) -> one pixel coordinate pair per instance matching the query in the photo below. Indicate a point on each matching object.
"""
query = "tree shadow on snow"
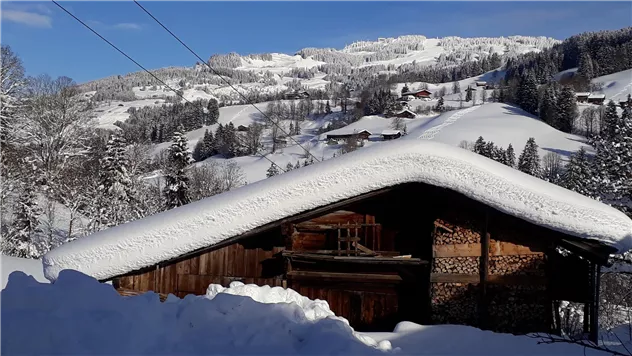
(563, 153)
(513, 110)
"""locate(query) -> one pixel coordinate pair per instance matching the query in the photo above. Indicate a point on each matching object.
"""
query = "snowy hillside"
(501, 123)
(616, 86)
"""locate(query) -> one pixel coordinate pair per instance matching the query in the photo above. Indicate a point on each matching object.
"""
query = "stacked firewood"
(517, 265)
(465, 265)
(454, 303)
(449, 233)
(518, 308)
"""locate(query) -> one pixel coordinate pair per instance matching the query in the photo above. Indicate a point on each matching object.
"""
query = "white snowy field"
(503, 124)
(78, 315)
(616, 86)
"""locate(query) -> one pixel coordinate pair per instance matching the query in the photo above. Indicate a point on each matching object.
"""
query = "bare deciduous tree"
(397, 123)
(552, 167)
(55, 127)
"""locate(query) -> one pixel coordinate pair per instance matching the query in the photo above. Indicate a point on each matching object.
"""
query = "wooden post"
(339, 239)
(588, 304)
(484, 267)
(594, 320)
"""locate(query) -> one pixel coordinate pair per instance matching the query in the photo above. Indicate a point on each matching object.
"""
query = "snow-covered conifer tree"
(527, 95)
(529, 160)
(440, 105)
(578, 174)
(548, 106)
(272, 171)
(213, 112)
(20, 240)
(176, 189)
(115, 184)
(567, 109)
(510, 156)
(479, 145)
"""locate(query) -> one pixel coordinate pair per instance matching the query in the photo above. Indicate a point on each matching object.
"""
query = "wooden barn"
(406, 114)
(582, 97)
(361, 135)
(419, 94)
(408, 234)
(391, 134)
(597, 99)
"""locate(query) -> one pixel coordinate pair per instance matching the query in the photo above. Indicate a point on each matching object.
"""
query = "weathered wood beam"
(302, 256)
(345, 276)
(491, 279)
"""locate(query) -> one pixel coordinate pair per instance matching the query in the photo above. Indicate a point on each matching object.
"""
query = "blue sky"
(49, 41)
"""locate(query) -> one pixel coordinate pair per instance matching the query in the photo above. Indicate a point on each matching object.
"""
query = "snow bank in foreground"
(206, 222)
(414, 339)
(78, 315)
(29, 266)
(313, 309)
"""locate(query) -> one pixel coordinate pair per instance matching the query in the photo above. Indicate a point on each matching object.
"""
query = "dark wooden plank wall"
(366, 310)
(222, 266)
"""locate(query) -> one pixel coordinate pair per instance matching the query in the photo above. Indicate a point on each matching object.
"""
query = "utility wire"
(148, 72)
(224, 79)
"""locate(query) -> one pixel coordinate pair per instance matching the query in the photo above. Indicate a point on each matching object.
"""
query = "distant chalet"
(582, 97)
(296, 95)
(597, 99)
(590, 98)
(419, 94)
(360, 135)
(406, 114)
(391, 134)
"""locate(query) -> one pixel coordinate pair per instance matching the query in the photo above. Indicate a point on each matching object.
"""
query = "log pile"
(447, 233)
(465, 265)
(518, 309)
(533, 265)
(454, 303)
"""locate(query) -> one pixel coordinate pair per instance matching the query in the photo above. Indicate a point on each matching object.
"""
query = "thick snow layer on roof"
(597, 96)
(391, 132)
(163, 236)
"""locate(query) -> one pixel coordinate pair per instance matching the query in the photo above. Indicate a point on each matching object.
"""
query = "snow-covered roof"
(391, 132)
(200, 224)
(345, 132)
(582, 94)
(597, 96)
(406, 110)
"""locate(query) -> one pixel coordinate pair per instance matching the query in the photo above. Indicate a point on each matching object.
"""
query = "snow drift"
(163, 236)
(78, 315)
(29, 266)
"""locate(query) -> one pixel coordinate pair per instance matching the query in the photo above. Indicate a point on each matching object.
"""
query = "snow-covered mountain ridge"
(391, 52)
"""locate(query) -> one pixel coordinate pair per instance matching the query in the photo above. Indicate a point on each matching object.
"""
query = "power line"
(223, 79)
(145, 69)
